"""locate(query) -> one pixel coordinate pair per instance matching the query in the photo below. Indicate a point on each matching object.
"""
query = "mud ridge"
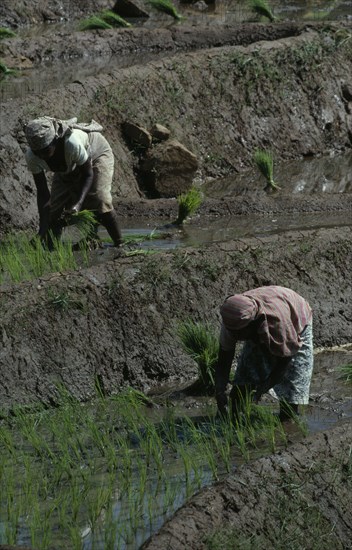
(301, 495)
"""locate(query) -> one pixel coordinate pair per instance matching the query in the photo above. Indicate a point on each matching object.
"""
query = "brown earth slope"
(299, 498)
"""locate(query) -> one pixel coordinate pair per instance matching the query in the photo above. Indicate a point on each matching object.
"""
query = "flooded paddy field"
(103, 445)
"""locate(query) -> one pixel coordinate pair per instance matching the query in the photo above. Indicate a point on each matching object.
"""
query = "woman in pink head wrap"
(276, 324)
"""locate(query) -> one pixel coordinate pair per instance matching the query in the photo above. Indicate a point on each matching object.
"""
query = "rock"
(346, 90)
(127, 8)
(137, 134)
(201, 5)
(169, 169)
(159, 132)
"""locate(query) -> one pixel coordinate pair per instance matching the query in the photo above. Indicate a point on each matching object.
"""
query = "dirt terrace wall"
(300, 497)
(290, 95)
(119, 320)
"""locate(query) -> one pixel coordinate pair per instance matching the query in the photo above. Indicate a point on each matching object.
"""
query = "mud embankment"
(118, 321)
(300, 497)
(292, 95)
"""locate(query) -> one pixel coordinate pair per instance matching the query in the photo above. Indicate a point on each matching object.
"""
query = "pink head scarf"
(238, 311)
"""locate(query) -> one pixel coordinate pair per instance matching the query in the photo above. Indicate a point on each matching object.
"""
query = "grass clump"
(188, 203)
(114, 19)
(165, 6)
(6, 33)
(4, 70)
(346, 372)
(92, 23)
(104, 20)
(260, 7)
(201, 343)
(264, 161)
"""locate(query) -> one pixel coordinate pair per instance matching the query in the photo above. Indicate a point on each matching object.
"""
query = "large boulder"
(168, 169)
(127, 8)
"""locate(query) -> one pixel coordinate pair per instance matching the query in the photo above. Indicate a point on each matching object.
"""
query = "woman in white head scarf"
(83, 166)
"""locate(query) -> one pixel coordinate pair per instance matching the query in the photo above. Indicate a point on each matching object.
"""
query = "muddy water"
(322, 176)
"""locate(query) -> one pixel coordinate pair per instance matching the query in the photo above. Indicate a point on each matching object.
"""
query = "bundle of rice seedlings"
(346, 372)
(202, 344)
(6, 33)
(85, 221)
(5, 70)
(113, 19)
(265, 163)
(166, 6)
(92, 23)
(260, 7)
(188, 203)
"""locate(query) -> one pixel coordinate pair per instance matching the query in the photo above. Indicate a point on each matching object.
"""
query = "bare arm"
(43, 202)
(222, 375)
(87, 174)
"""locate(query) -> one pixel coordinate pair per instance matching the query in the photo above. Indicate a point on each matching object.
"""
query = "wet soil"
(223, 92)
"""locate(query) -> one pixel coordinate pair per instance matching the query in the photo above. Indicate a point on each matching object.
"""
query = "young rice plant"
(188, 203)
(264, 161)
(201, 343)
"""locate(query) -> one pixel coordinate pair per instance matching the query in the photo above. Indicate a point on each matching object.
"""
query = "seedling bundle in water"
(188, 203)
(105, 20)
(165, 6)
(260, 7)
(265, 163)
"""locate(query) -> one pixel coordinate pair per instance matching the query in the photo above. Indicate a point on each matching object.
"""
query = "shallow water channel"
(320, 177)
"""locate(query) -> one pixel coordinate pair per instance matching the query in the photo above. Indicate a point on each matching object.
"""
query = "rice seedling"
(113, 19)
(188, 203)
(82, 470)
(166, 6)
(93, 23)
(24, 258)
(261, 7)
(5, 70)
(6, 33)
(346, 372)
(264, 161)
(201, 343)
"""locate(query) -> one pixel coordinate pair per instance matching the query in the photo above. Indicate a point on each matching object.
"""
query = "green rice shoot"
(23, 258)
(265, 163)
(114, 19)
(6, 33)
(261, 7)
(92, 23)
(201, 343)
(65, 468)
(5, 70)
(188, 203)
(85, 221)
(346, 372)
(165, 6)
